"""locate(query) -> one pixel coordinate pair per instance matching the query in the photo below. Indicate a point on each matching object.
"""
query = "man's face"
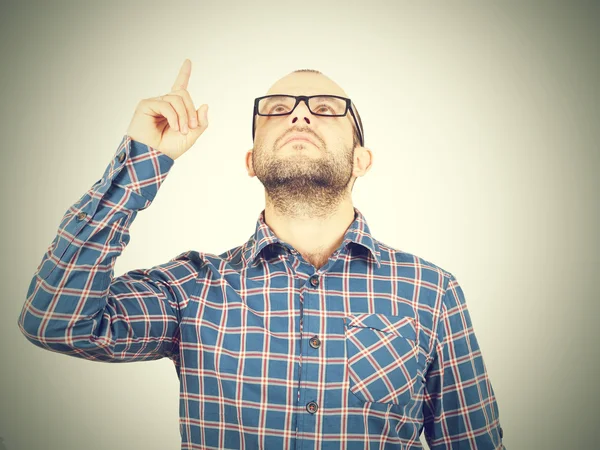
(300, 170)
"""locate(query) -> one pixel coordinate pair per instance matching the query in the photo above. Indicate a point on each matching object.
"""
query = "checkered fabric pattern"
(366, 352)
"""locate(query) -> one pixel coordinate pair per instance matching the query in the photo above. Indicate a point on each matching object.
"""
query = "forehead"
(306, 83)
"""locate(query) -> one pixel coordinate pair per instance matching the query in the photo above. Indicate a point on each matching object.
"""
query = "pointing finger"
(184, 76)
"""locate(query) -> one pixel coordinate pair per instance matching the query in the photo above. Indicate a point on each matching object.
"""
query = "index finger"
(184, 76)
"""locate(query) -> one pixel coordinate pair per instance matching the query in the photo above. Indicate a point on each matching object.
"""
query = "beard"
(302, 180)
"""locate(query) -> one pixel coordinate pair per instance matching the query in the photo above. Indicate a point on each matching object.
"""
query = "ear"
(363, 160)
(249, 166)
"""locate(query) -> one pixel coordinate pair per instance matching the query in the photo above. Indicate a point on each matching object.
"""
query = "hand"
(170, 123)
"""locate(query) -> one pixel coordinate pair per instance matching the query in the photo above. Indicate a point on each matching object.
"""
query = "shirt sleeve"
(460, 409)
(75, 306)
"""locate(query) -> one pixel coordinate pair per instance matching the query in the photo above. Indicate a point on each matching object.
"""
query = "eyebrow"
(272, 99)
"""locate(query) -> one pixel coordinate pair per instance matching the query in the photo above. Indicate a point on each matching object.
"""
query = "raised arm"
(74, 304)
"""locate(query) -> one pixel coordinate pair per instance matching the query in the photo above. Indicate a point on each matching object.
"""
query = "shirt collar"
(358, 232)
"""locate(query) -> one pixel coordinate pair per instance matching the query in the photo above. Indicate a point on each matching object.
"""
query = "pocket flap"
(399, 325)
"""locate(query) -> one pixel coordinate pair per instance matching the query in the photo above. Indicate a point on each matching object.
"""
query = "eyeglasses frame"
(304, 98)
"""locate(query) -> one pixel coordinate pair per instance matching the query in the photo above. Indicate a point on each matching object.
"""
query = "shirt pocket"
(382, 357)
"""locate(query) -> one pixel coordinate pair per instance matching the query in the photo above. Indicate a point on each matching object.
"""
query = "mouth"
(295, 137)
(298, 139)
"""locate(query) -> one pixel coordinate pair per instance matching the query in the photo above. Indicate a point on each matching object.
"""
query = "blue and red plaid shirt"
(365, 352)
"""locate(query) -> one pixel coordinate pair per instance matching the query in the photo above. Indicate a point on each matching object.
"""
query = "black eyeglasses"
(319, 105)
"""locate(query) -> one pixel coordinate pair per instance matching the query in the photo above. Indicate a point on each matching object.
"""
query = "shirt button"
(81, 215)
(121, 156)
(312, 407)
(314, 281)
(315, 342)
(501, 432)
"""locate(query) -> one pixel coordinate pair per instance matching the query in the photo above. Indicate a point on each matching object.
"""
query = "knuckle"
(185, 95)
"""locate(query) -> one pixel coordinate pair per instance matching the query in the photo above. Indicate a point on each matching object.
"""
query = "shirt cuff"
(139, 168)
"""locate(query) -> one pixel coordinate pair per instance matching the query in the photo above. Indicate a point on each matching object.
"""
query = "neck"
(315, 232)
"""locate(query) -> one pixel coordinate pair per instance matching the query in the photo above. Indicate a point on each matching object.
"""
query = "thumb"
(202, 114)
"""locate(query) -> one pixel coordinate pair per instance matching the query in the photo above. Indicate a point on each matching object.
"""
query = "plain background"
(483, 119)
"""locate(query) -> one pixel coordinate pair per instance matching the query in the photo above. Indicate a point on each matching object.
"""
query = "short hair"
(308, 70)
(356, 138)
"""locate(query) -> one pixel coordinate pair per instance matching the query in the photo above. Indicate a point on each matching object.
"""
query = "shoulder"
(415, 266)
(209, 259)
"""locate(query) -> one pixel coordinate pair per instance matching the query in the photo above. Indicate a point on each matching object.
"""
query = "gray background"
(483, 121)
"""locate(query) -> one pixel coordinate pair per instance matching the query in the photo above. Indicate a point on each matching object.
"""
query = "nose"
(300, 111)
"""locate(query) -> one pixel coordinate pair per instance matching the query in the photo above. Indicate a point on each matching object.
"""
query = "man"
(311, 334)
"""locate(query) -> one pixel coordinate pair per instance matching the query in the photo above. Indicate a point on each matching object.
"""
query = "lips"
(299, 137)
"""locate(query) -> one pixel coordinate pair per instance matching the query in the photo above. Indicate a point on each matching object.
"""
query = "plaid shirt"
(365, 352)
